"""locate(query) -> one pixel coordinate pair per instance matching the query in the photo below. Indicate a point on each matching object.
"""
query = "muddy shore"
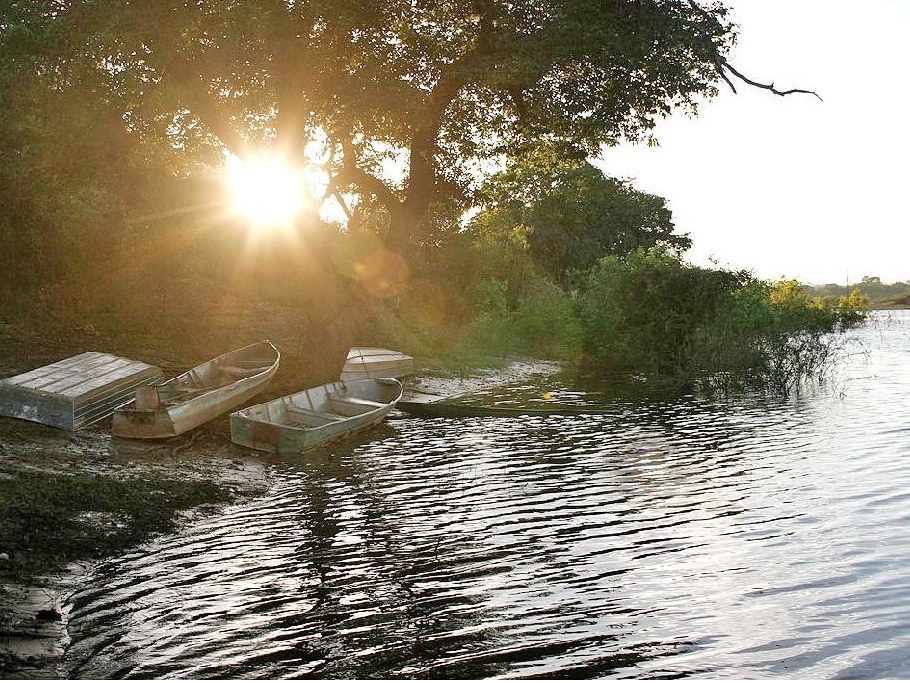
(33, 609)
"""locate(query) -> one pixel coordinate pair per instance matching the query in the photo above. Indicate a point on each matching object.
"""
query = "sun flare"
(267, 192)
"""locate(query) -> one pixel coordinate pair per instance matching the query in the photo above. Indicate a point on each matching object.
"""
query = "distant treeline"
(879, 294)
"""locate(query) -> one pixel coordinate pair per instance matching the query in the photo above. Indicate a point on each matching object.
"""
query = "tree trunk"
(327, 329)
(403, 225)
(307, 304)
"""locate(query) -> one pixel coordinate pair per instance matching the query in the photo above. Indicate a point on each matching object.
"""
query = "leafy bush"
(542, 324)
(645, 312)
(652, 313)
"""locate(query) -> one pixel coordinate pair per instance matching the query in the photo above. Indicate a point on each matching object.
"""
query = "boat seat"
(353, 400)
(235, 372)
(311, 417)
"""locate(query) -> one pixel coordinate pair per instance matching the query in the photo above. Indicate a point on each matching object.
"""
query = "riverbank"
(69, 500)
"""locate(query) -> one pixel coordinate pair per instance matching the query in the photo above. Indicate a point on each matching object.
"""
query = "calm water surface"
(748, 537)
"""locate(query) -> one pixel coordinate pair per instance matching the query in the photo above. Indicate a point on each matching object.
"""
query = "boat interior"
(335, 408)
(211, 375)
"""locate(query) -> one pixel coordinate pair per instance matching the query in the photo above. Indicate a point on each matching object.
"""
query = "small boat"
(198, 395)
(75, 392)
(309, 418)
(368, 362)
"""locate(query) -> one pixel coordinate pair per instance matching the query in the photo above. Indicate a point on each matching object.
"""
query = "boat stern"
(133, 423)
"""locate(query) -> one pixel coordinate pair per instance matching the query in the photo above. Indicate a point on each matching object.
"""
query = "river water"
(740, 537)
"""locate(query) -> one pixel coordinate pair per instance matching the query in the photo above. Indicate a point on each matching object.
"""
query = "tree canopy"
(571, 214)
(441, 86)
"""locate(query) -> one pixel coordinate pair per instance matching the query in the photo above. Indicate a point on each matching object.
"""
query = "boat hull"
(300, 422)
(75, 392)
(443, 409)
(374, 363)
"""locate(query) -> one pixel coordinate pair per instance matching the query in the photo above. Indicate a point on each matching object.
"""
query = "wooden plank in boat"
(311, 418)
(75, 392)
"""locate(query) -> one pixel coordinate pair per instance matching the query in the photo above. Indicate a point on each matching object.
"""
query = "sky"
(795, 187)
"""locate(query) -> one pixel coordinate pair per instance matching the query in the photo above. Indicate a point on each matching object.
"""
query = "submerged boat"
(198, 395)
(309, 418)
(444, 409)
(367, 362)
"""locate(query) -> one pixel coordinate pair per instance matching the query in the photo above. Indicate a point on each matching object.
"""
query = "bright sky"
(792, 186)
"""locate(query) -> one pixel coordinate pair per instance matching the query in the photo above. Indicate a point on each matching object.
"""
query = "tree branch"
(724, 64)
(194, 91)
(352, 174)
(342, 203)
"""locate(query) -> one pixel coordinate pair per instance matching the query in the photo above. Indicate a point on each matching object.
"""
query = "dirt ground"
(33, 613)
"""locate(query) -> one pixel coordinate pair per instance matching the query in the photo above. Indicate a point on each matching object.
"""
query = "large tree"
(571, 213)
(442, 86)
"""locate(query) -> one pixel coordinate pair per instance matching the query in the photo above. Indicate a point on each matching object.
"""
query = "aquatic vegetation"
(48, 519)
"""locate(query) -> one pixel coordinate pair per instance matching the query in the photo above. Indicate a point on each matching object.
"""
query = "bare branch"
(726, 79)
(724, 64)
(343, 204)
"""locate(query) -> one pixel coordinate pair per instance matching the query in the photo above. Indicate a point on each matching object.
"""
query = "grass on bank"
(48, 520)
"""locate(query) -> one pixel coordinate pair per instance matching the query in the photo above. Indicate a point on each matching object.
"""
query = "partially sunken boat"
(75, 392)
(369, 362)
(198, 395)
(445, 409)
(315, 416)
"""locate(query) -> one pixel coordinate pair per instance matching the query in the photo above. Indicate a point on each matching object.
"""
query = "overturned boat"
(364, 362)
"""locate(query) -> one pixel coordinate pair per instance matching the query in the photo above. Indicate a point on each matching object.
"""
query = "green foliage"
(74, 180)
(570, 213)
(797, 309)
(852, 309)
(542, 324)
(876, 293)
(61, 192)
(651, 313)
(547, 318)
(644, 313)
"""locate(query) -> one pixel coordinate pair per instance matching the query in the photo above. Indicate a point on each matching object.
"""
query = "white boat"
(368, 362)
(309, 418)
(198, 395)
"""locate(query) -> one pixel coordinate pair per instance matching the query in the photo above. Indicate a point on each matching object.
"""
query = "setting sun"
(267, 192)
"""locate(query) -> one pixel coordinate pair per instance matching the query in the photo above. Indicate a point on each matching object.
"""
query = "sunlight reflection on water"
(730, 538)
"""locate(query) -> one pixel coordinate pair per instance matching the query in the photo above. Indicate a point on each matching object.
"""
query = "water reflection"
(722, 538)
